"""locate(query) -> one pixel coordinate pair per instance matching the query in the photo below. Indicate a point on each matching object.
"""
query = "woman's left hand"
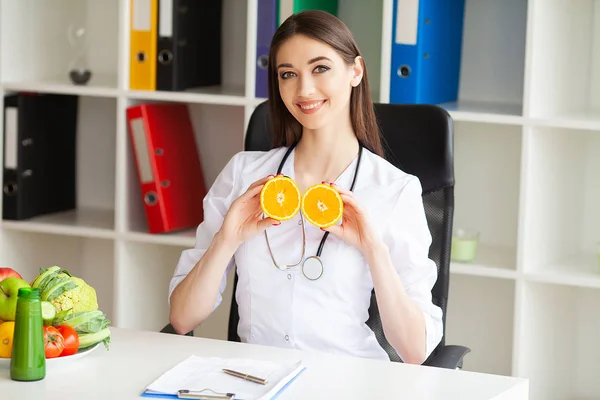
(356, 228)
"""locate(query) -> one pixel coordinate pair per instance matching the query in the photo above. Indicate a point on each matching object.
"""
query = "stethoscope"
(312, 267)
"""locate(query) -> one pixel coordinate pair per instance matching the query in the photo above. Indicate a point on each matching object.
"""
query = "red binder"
(168, 166)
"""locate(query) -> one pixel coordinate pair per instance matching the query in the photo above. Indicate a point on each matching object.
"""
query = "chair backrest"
(419, 140)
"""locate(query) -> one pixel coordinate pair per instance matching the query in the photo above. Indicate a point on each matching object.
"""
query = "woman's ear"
(357, 71)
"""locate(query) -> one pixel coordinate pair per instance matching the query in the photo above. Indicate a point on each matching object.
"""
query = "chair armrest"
(450, 357)
(169, 329)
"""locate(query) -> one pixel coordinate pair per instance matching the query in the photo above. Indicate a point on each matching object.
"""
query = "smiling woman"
(314, 60)
(308, 285)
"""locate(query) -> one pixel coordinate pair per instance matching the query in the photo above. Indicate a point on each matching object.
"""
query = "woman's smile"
(310, 107)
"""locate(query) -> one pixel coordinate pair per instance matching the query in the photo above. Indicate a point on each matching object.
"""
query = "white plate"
(5, 362)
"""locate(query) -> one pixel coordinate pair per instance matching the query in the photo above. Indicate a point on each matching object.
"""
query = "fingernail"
(270, 176)
(332, 184)
(277, 224)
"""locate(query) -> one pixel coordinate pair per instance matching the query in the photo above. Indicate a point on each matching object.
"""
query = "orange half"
(280, 198)
(322, 205)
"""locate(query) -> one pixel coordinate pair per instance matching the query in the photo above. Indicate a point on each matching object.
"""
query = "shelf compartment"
(95, 176)
(565, 55)
(218, 131)
(88, 258)
(42, 35)
(142, 285)
(563, 192)
(491, 343)
(233, 63)
(493, 61)
(146, 270)
(559, 341)
(487, 160)
(364, 21)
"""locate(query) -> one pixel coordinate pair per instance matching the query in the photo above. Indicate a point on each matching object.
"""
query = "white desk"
(136, 358)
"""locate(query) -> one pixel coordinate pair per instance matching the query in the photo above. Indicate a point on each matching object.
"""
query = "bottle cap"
(29, 293)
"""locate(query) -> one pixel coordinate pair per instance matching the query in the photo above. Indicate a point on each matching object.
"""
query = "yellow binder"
(142, 48)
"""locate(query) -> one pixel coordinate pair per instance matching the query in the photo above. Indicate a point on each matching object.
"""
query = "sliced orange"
(280, 198)
(322, 205)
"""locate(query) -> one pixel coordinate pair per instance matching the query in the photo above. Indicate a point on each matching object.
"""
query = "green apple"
(9, 289)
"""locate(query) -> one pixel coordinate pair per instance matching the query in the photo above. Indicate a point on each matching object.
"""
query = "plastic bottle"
(28, 359)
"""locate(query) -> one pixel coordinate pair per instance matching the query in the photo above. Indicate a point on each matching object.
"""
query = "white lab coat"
(284, 308)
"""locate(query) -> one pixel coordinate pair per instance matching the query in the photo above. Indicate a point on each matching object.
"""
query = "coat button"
(289, 276)
(287, 338)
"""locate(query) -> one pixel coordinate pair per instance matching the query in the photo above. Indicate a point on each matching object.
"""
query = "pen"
(245, 376)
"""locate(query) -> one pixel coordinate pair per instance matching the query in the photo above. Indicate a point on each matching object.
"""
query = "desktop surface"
(136, 358)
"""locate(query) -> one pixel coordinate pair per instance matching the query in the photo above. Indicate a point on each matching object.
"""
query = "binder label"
(10, 132)
(142, 15)
(407, 21)
(141, 150)
(165, 18)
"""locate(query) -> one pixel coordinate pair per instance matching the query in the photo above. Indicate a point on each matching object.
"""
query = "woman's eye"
(321, 68)
(287, 75)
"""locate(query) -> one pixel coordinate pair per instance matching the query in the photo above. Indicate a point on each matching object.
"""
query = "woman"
(320, 103)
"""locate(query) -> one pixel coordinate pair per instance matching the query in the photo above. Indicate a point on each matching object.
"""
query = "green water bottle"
(28, 359)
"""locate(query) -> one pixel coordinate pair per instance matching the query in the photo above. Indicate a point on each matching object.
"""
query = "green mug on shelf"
(464, 245)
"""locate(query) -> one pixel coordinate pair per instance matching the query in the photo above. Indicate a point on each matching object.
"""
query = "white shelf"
(581, 271)
(491, 261)
(589, 120)
(94, 223)
(98, 86)
(183, 239)
(526, 146)
(214, 95)
(488, 112)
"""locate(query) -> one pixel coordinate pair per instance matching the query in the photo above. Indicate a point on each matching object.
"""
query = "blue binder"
(266, 26)
(426, 51)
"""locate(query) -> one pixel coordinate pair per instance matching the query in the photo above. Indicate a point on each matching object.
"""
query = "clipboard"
(203, 378)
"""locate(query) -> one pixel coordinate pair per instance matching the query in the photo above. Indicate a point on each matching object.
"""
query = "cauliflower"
(81, 298)
(66, 292)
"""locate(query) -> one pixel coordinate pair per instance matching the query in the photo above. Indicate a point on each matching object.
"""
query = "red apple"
(6, 272)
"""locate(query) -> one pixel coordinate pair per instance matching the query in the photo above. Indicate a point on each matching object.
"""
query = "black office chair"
(419, 140)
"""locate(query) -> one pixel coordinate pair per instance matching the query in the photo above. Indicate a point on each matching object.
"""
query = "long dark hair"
(329, 29)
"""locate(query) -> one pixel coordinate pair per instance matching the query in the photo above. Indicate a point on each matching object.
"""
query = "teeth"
(310, 107)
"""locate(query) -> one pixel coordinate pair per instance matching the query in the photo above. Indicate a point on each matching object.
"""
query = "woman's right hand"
(244, 219)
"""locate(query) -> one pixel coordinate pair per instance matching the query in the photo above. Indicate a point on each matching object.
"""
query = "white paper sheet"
(201, 373)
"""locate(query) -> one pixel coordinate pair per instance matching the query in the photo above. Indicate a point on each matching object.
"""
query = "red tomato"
(53, 342)
(71, 340)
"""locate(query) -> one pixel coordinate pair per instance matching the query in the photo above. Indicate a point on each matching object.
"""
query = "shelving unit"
(527, 140)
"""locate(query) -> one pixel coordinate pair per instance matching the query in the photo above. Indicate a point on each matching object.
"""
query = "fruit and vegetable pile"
(72, 320)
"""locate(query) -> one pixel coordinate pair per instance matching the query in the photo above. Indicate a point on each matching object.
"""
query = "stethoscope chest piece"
(312, 268)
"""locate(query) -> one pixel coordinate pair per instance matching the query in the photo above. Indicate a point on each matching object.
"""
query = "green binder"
(285, 8)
